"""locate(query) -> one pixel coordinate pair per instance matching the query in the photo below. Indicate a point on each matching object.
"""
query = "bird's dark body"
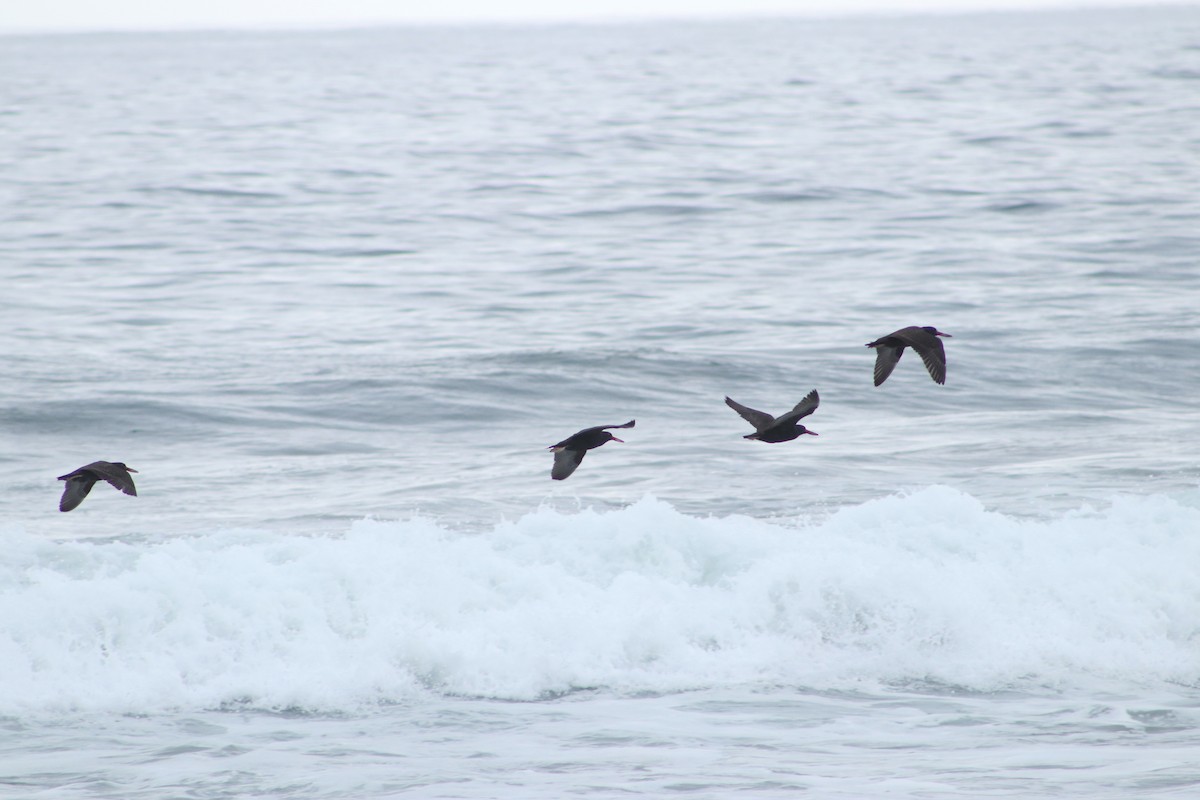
(777, 429)
(569, 453)
(586, 439)
(81, 481)
(923, 339)
(778, 435)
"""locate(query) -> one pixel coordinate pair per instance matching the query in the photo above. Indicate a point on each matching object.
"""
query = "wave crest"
(926, 587)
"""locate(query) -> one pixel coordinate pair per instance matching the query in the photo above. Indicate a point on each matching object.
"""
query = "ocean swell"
(929, 586)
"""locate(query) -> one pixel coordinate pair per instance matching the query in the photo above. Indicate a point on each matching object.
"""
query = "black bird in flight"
(81, 481)
(924, 340)
(569, 453)
(777, 429)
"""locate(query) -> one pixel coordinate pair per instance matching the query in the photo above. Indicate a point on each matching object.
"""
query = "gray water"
(334, 293)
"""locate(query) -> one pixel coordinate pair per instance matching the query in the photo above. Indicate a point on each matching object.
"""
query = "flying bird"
(778, 429)
(569, 453)
(81, 481)
(924, 340)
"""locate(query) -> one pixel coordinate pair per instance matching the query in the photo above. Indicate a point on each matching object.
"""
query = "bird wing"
(805, 407)
(928, 347)
(566, 459)
(629, 424)
(118, 477)
(76, 489)
(886, 359)
(761, 420)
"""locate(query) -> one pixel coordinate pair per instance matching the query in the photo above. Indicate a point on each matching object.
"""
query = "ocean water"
(334, 293)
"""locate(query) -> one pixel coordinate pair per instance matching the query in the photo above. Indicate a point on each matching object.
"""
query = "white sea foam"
(924, 587)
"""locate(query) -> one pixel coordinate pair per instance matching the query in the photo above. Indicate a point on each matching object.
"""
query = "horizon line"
(598, 19)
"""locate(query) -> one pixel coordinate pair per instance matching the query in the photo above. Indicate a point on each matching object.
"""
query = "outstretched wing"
(117, 476)
(76, 489)
(886, 359)
(566, 459)
(761, 420)
(928, 347)
(805, 407)
(629, 424)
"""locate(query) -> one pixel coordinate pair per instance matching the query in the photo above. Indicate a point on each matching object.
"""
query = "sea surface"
(333, 293)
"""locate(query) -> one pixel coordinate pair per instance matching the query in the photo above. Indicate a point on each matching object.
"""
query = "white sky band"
(87, 15)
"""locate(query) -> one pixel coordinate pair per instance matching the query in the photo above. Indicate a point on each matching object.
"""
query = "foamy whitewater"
(923, 588)
(333, 294)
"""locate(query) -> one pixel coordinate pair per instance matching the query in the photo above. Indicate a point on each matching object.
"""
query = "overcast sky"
(39, 15)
